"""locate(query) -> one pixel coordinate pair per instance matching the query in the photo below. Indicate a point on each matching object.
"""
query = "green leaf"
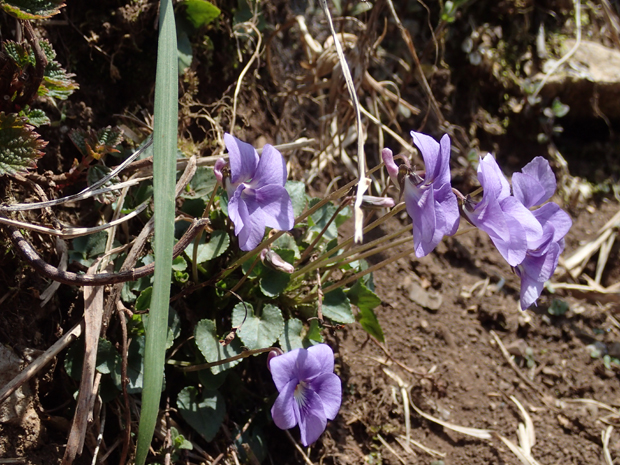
(207, 341)
(85, 249)
(258, 332)
(32, 9)
(274, 282)
(107, 357)
(558, 307)
(204, 413)
(202, 184)
(19, 53)
(165, 127)
(314, 332)
(97, 172)
(337, 307)
(36, 117)
(57, 83)
(370, 323)
(135, 367)
(217, 245)
(297, 191)
(366, 301)
(291, 335)
(185, 51)
(362, 297)
(178, 440)
(143, 302)
(320, 218)
(287, 242)
(179, 264)
(210, 381)
(174, 322)
(96, 143)
(20, 146)
(200, 12)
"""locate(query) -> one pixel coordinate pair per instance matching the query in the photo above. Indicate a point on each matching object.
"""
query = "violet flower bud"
(217, 169)
(390, 166)
(272, 260)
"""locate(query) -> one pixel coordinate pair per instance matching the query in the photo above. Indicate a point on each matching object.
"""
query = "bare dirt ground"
(463, 378)
(448, 359)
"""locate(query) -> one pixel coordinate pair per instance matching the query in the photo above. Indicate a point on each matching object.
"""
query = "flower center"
(300, 393)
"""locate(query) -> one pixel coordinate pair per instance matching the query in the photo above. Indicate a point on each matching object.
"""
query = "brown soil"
(464, 378)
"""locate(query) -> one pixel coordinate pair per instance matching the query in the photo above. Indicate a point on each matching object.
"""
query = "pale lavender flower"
(310, 392)
(257, 197)
(430, 202)
(510, 225)
(533, 186)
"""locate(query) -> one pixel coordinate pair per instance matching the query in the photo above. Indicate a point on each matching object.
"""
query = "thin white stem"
(363, 181)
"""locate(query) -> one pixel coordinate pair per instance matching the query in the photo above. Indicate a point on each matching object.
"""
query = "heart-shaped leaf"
(217, 245)
(336, 307)
(291, 336)
(258, 332)
(204, 413)
(209, 345)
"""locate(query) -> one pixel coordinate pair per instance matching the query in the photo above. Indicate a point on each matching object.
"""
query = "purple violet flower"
(503, 217)
(430, 202)
(310, 392)
(256, 193)
(533, 186)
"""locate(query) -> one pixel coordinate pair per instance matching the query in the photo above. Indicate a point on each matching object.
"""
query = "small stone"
(426, 299)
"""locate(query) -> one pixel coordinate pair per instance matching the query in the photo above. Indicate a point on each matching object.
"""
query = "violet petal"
(271, 168)
(243, 159)
(535, 184)
(492, 179)
(324, 356)
(277, 207)
(312, 421)
(329, 388)
(516, 210)
(530, 291)
(551, 212)
(283, 368)
(283, 410)
(253, 221)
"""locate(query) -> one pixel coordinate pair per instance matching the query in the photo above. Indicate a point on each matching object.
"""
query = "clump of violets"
(530, 241)
(429, 199)
(256, 194)
(310, 392)
(529, 236)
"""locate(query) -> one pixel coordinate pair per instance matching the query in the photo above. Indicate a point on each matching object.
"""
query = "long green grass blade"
(164, 169)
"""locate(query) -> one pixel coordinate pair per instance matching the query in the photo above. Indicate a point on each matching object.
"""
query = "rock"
(593, 68)
(429, 300)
